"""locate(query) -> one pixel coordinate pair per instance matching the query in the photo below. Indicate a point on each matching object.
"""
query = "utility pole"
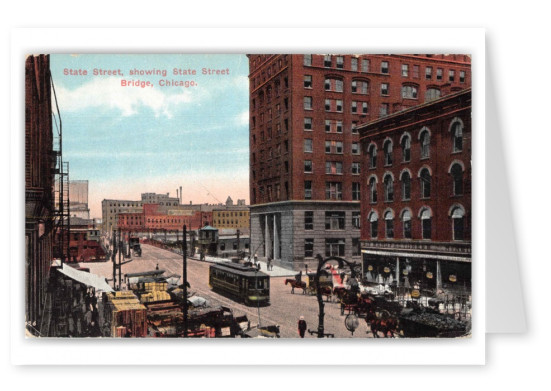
(120, 256)
(184, 276)
(114, 255)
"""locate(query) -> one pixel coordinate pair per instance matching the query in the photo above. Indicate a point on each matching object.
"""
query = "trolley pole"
(184, 276)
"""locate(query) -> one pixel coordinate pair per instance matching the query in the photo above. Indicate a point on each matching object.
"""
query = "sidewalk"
(276, 271)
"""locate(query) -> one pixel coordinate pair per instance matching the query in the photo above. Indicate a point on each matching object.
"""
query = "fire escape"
(62, 216)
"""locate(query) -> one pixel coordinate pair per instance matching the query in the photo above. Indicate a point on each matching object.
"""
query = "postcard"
(321, 195)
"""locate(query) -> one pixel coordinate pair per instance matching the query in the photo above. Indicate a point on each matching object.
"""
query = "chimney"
(180, 194)
(177, 196)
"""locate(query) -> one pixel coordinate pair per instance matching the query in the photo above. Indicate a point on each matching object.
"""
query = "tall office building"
(305, 154)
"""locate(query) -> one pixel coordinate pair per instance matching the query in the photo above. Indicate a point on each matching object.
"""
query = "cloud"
(243, 118)
(108, 93)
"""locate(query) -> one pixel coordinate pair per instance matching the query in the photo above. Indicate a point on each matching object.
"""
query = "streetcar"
(241, 283)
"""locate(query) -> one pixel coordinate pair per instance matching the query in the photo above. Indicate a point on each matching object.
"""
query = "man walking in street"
(301, 327)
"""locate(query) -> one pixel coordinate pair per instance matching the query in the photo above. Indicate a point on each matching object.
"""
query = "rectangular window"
(405, 70)
(327, 61)
(340, 62)
(334, 220)
(308, 166)
(356, 168)
(339, 85)
(354, 64)
(462, 76)
(355, 191)
(356, 247)
(365, 65)
(307, 60)
(308, 248)
(356, 218)
(308, 145)
(354, 107)
(354, 86)
(307, 190)
(328, 125)
(416, 71)
(339, 105)
(384, 67)
(383, 109)
(307, 123)
(307, 103)
(333, 168)
(307, 81)
(333, 190)
(308, 220)
(354, 127)
(334, 247)
(355, 148)
(339, 126)
(451, 75)
(384, 89)
(327, 104)
(365, 108)
(363, 87)
(438, 73)
(428, 73)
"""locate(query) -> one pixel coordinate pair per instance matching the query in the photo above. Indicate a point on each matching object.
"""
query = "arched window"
(406, 148)
(432, 94)
(425, 183)
(373, 223)
(425, 144)
(387, 147)
(372, 152)
(409, 92)
(457, 179)
(406, 185)
(406, 222)
(457, 136)
(426, 219)
(389, 187)
(389, 224)
(458, 225)
(373, 189)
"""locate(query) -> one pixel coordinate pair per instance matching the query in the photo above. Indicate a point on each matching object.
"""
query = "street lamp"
(321, 262)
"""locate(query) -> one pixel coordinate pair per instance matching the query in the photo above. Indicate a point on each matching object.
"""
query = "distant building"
(236, 217)
(416, 194)
(78, 199)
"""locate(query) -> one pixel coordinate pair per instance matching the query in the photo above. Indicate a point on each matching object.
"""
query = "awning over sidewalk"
(86, 278)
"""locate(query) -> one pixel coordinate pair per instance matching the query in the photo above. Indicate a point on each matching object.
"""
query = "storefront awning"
(441, 257)
(86, 278)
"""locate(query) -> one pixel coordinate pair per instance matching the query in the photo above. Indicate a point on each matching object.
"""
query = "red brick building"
(84, 244)
(416, 193)
(305, 155)
(40, 164)
(154, 218)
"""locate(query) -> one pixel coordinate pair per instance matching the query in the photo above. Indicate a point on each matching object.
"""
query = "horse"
(296, 284)
(386, 325)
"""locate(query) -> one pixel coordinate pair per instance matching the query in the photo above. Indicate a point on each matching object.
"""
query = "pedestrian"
(255, 259)
(269, 264)
(301, 326)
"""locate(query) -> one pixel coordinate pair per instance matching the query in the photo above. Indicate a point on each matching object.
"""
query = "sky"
(126, 139)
